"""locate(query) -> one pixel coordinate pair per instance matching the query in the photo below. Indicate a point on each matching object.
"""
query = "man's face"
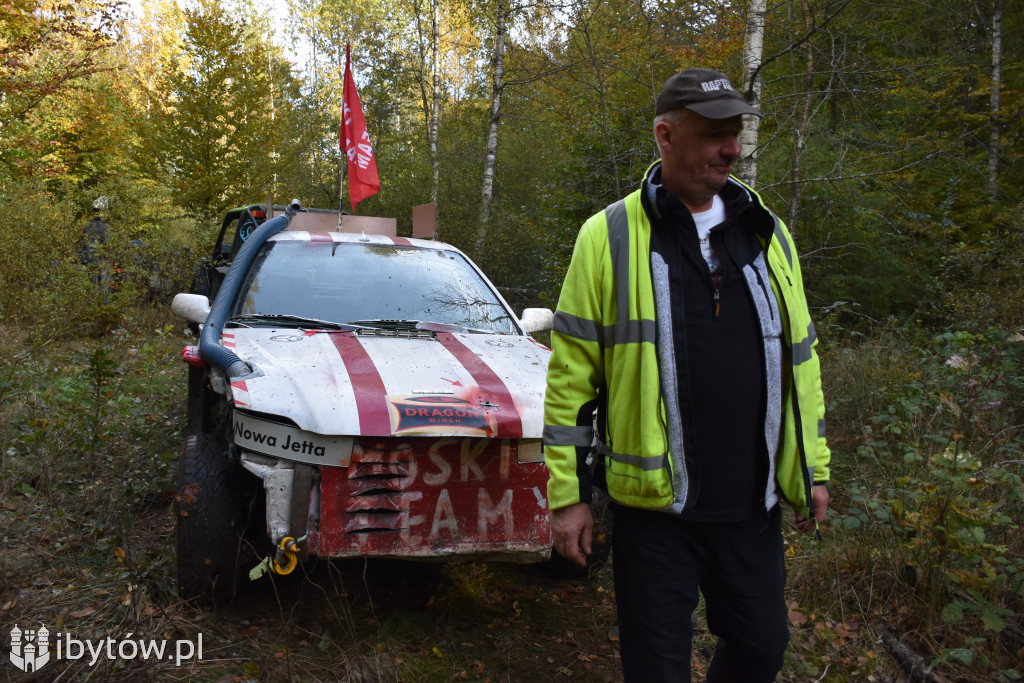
(697, 155)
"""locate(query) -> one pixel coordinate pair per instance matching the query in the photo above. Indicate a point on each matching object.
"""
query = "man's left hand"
(819, 508)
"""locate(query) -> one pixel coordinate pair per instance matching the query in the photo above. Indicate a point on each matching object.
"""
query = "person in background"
(683, 326)
(94, 238)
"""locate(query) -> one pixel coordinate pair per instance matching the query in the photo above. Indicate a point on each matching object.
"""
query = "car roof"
(353, 238)
(346, 237)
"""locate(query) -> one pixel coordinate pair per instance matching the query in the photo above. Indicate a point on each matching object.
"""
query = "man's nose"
(731, 148)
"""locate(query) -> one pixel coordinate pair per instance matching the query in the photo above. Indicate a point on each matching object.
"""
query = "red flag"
(363, 181)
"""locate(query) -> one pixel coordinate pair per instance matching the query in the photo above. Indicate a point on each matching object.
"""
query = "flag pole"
(341, 188)
(344, 153)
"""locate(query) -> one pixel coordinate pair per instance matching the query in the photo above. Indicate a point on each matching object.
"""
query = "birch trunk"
(993, 115)
(429, 99)
(753, 46)
(492, 133)
(805, 120)
(435, 105)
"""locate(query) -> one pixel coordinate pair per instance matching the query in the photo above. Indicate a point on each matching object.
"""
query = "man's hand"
(571, 529)
(819, 508)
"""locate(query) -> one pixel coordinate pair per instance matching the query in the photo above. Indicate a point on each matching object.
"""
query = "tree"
(994, 132)
(217, 127)
(46, 48)
(753, 44)
(432, 102)
(491, 154)
(47, 44)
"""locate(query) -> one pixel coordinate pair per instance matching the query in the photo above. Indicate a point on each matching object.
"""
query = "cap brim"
(722, 108)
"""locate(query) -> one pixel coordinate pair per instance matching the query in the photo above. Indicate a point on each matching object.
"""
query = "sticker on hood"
(438, 415)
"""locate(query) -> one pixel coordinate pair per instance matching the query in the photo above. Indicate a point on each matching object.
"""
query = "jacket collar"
(738, 198)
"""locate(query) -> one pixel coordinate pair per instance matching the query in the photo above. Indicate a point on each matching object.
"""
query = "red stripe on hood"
(368, 387)
(509, 424)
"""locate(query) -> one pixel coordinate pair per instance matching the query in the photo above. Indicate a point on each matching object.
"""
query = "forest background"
(891, 146)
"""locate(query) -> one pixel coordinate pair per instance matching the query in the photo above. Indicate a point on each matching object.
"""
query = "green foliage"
(87, 428)
(927, 435)
(46, 46)
(217, 120)
(200, 108)
(956, 491)
(894, 157)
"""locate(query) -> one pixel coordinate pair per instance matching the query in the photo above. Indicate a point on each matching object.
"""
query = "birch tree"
(490, 157)
(753, 46)
(429, 44)
(993, 116)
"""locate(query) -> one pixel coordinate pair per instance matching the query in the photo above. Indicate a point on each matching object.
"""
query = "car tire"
(600, 548)
(211, 515)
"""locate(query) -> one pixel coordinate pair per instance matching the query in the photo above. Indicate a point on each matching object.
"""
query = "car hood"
(439, 383)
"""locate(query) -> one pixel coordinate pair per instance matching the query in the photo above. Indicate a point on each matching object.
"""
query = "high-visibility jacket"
(605, 359)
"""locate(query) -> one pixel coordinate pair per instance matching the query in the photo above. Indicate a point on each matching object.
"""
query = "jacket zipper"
(716, 282)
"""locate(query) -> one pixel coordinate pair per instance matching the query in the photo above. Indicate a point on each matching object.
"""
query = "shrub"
(928, 495)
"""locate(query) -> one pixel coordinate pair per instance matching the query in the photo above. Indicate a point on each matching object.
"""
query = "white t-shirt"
(705, 220)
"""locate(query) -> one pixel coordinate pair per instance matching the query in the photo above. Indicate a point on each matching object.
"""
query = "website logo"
(30, 649)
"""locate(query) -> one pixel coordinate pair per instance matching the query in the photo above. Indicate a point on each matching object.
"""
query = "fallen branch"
(911, 662)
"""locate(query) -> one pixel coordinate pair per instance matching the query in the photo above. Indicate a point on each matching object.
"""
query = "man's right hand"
(572, 529)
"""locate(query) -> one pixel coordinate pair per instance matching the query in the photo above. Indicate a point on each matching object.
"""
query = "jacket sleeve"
(822, 456)
(575, 370)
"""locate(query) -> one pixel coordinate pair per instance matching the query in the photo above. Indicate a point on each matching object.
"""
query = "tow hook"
(287, 554)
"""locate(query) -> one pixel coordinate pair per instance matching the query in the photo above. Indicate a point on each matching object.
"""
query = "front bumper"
(431, 498)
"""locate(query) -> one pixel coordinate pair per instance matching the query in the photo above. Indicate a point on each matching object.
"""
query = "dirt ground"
(333, 621)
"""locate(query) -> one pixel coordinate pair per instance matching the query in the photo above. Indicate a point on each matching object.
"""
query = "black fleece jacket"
(719, 351)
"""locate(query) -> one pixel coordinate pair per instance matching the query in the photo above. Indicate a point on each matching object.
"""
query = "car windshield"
(370, 285)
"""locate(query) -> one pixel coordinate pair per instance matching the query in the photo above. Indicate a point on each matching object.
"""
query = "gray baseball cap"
(706, 92)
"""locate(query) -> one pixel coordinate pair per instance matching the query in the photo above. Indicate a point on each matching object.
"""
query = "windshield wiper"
(291, 321)
(426, 325)
(387, 324)
(450, 327)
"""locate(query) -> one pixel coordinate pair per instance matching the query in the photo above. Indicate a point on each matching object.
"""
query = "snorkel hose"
(210, 348)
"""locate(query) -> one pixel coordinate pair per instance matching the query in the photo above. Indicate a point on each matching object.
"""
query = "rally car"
(357, 395)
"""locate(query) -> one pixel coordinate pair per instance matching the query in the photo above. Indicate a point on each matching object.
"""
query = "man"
(94, 238)
(682, 322)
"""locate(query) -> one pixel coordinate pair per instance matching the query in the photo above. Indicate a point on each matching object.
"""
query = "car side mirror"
(537, 320)
(192, 307)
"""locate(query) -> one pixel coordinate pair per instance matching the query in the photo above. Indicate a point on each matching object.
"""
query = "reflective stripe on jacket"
(605, 355)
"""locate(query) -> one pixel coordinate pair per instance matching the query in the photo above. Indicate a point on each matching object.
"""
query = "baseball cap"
(706, 92)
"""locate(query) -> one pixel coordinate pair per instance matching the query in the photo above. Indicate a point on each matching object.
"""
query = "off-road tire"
(600, 547)
(211, 513)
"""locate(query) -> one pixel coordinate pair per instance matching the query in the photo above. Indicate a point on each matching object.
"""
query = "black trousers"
(660, 563)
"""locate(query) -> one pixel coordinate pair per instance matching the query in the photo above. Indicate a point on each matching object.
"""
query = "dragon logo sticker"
(438, 415)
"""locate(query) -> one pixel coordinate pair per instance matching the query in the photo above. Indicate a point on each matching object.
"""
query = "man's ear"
(664, 134)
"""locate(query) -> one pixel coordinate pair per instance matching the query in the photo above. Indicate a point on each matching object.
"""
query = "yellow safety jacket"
(605, 359)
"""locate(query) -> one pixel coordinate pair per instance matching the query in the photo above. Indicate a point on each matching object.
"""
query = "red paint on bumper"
(434, 498)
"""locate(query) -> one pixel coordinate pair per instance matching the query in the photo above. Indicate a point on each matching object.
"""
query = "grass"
(923, 542)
